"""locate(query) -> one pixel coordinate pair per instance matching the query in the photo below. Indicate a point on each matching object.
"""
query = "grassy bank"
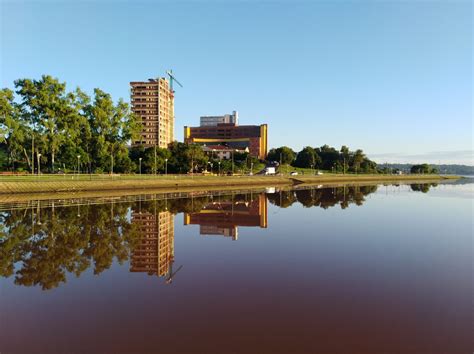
(71, 184)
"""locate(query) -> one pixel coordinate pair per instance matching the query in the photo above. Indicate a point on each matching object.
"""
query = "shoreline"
(56, 186)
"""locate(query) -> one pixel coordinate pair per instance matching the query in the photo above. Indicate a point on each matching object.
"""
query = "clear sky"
(391, 77)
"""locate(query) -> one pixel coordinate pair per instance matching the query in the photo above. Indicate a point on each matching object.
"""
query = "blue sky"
(392, 78)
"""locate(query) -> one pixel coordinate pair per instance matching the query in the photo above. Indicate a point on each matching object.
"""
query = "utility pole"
(233, 160)
(281, 166)
(32, 154)
(155, 160)
(112, 160)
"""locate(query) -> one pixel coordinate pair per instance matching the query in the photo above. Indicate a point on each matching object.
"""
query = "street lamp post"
(232, 162)
(251, 168)
(219, 163)
(39, 167)
(166, 167)
(32, 155)
(140, 165)
(78, 164)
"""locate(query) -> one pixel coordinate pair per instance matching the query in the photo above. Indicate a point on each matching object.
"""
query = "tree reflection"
(422, 187)
(324, 197)
(47, 243)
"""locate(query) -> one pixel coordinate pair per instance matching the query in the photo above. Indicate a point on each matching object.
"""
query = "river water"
(366, 269)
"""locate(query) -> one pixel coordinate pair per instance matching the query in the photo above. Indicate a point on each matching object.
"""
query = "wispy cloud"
(464, 157)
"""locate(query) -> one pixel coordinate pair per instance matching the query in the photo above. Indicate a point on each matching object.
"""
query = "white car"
(294, 173)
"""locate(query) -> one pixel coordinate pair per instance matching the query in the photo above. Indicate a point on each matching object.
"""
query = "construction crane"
(171, 274)
(172, 78)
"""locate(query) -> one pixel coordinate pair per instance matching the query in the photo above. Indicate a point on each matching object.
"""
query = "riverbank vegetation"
(325, 158)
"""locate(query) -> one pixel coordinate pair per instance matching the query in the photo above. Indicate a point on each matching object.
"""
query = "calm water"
(375, 269)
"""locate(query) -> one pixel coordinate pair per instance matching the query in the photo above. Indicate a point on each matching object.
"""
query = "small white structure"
(222, 152)
(270, 170)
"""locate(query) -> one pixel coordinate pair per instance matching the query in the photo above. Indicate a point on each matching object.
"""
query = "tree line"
(325, 158)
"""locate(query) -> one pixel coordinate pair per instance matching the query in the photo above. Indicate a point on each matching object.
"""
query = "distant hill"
(444, 169)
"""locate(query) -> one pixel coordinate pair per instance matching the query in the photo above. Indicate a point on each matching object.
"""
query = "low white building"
(222, 152)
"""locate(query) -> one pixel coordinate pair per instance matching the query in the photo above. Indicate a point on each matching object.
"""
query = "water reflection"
(154, 252)
(422, 187)
(39, 246)
(223, 216)
(323, 197)
(391, 274)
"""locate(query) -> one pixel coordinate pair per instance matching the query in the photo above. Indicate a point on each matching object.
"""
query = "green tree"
(344, 157)
(283, 153)
(423, 169)
(186, 158)
(13, 130)
(47, 107)
(307, 158)
(159, 164)
(357, 160)
(111, 128)
(368, 166)
(78, 135)
(3, 157)
(329, 157)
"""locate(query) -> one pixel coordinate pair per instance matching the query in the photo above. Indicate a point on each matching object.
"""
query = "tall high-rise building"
(153, 102)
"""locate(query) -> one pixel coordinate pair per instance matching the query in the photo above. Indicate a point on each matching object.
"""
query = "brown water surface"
(367, 269)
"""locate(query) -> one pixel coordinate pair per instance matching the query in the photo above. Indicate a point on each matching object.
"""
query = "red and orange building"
(238, 137)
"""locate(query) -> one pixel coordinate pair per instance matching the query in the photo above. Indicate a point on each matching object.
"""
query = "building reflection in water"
(154, 252)
(222, 217)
